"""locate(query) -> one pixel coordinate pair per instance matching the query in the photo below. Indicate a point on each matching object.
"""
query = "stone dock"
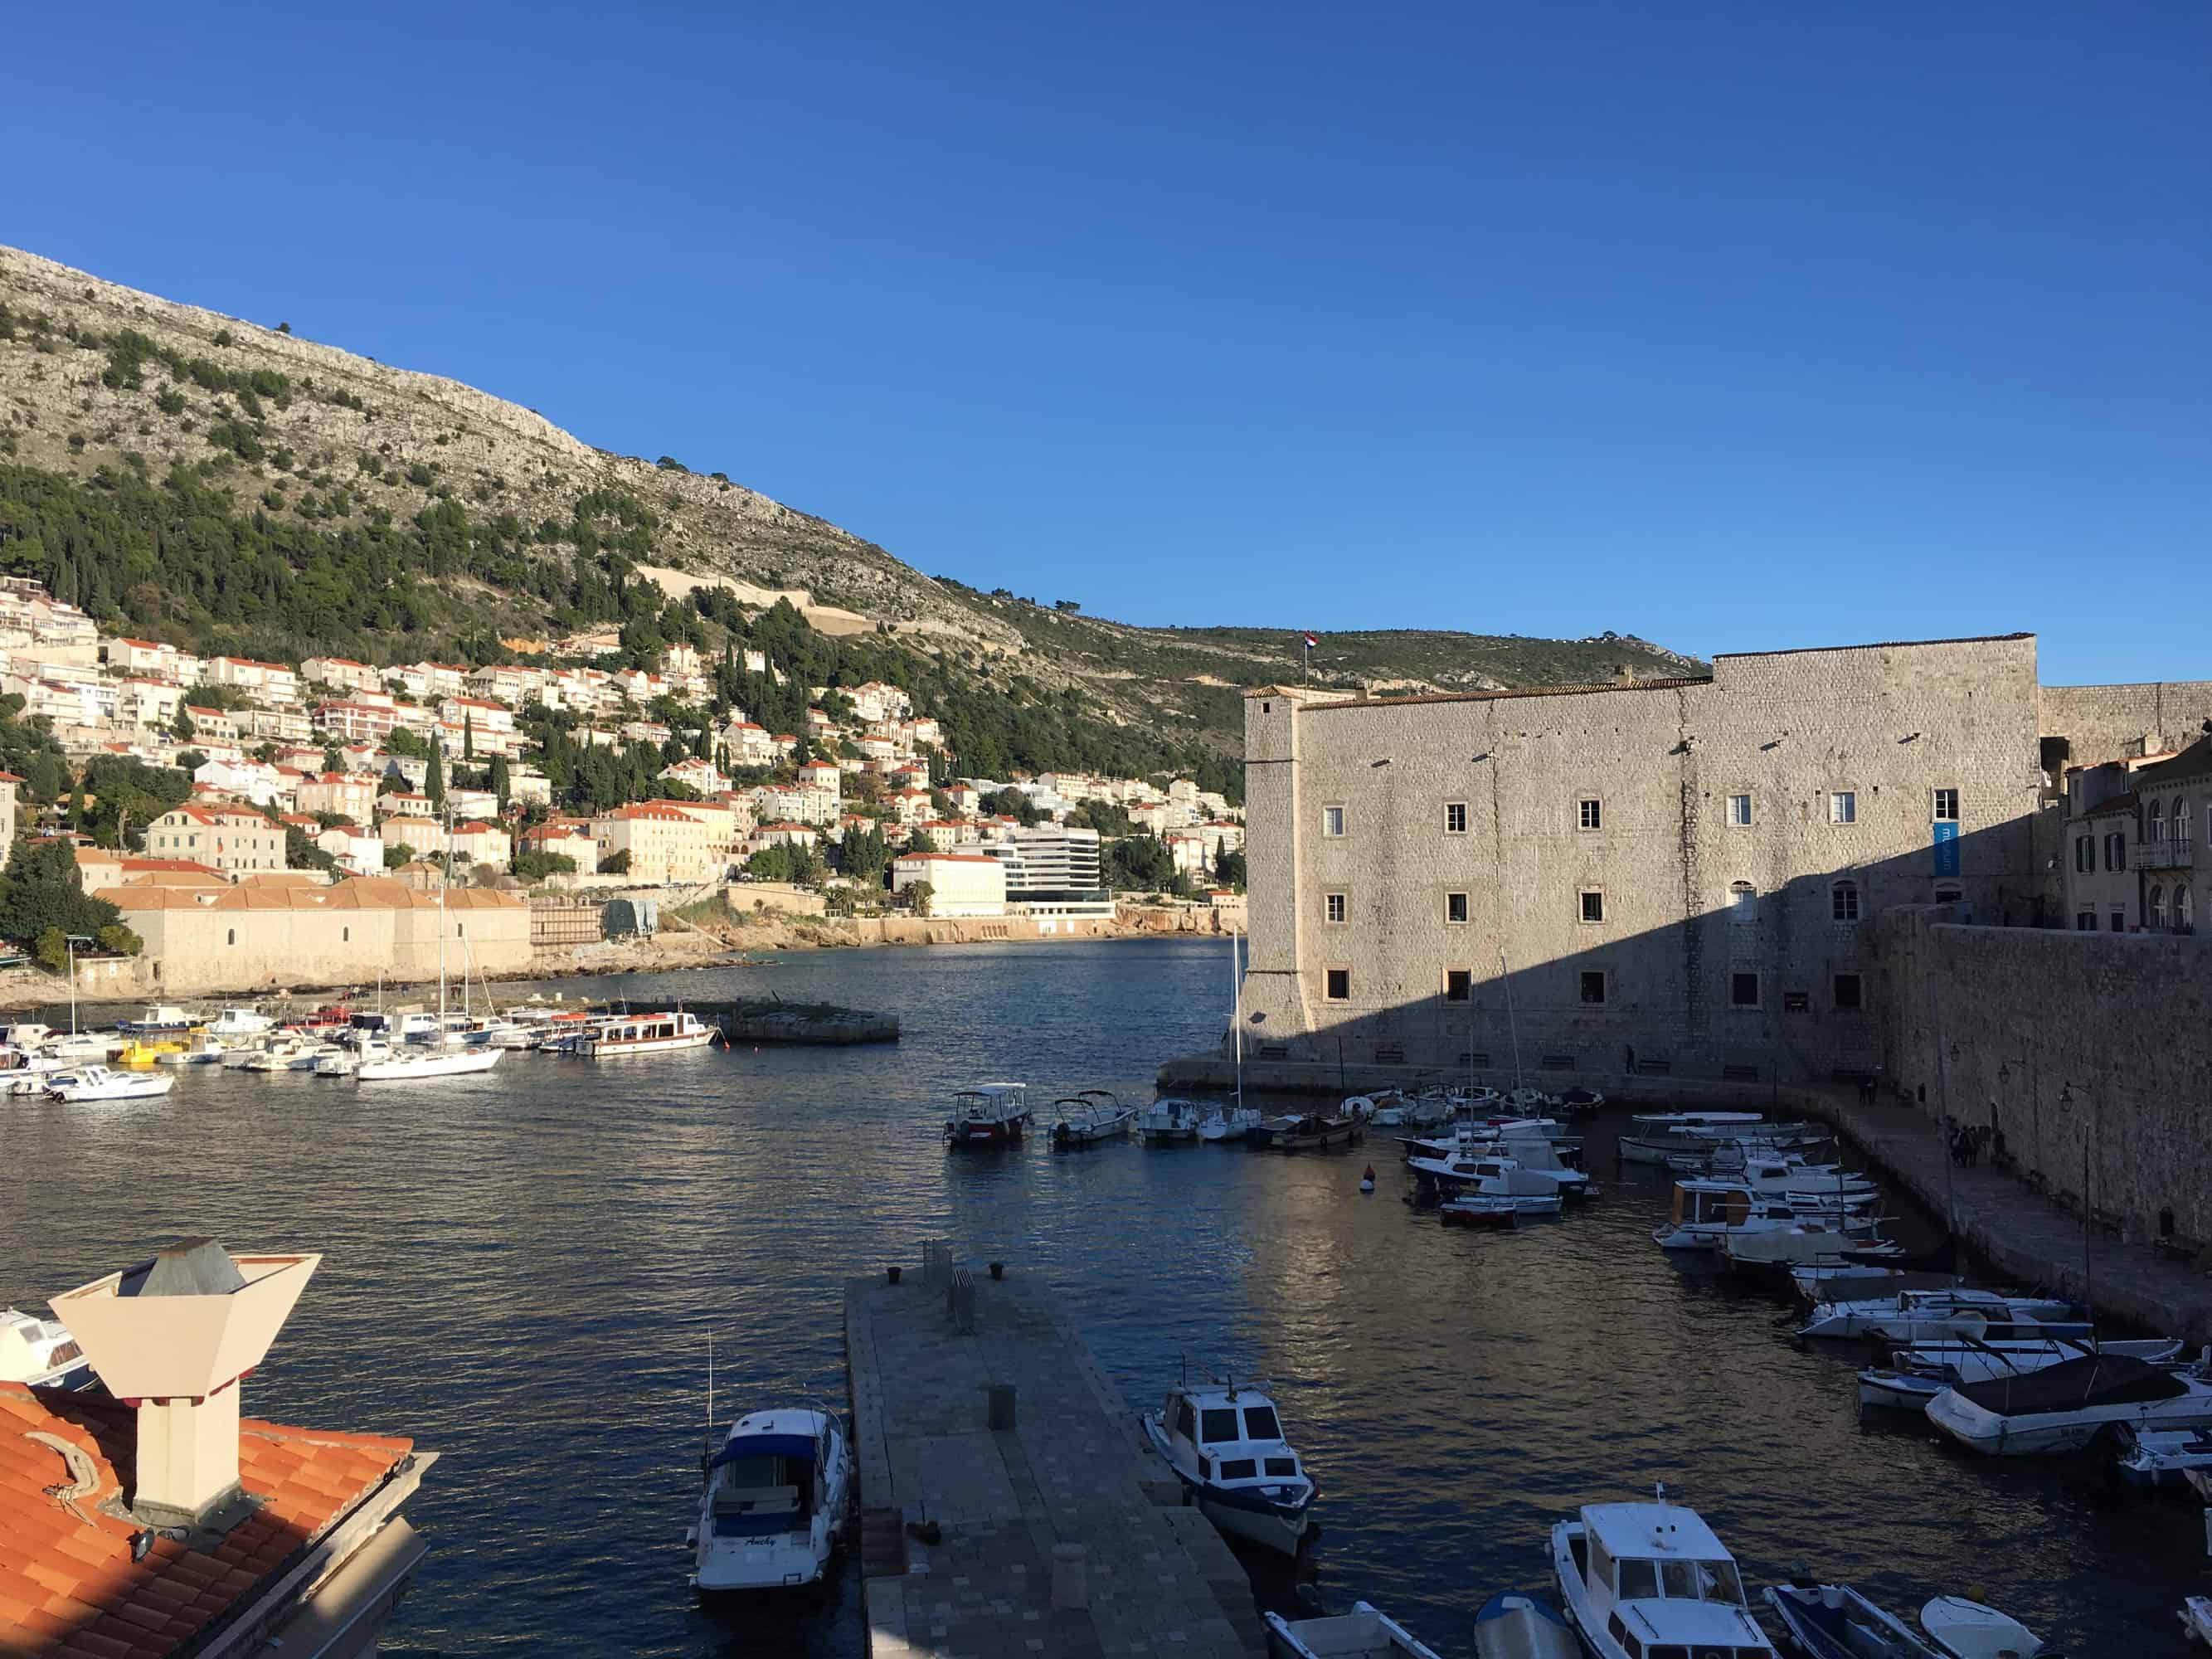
(1060, 1533)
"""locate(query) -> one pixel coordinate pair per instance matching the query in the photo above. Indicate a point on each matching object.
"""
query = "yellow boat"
(139, 1053)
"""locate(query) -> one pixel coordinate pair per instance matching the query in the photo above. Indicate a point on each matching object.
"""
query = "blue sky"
(1734, 324)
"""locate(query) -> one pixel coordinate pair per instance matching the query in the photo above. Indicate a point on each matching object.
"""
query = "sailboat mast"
(1512, 1020)
(444, 876)
(1235, 1020)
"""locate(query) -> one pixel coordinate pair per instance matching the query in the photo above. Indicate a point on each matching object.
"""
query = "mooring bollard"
(894, 1273)
(1071, 1576)
(998, 1406)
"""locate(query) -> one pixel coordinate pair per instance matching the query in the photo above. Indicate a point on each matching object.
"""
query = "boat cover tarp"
(2100, 1380)
(799, 1448)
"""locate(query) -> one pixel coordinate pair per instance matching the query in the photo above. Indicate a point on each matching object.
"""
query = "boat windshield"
(1260, 1424)
(1217, 1423)
(1681, 1581)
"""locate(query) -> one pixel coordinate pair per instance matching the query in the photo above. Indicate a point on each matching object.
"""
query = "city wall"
(2070, 1046)
(2118, 722)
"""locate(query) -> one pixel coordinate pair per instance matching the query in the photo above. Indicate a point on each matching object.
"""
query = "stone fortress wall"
(1686, 902)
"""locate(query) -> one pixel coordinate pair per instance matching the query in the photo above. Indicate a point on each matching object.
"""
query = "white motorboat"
(1524, 1101)
(25, 1071)
(1672, 1135)
(1654, 1575)
(1170, 1122)
(1090, 1115)
(2196, 1618)
(1495, 1174)
(201, 1048)
(288, 1052)
(78, 1047)
(1512, 1627)
(41, 1353)
(1912, 1316)
(1705, 1122)
(1226, 1444)
(774, 1501)
(1705, 1211)
(99, 1082)
(418, 1027)
(1916, 1375)
(1223, 1124)
(159, 1020)
(2064, 1407)
(2157, 1457)
(1811, 1245)
(418, 1064)
(238, 1023)
(1835, 1621)
(1363, 1633)
(1478, 1209)
(1967, 1630)
(988, 1114)
(666, 1032)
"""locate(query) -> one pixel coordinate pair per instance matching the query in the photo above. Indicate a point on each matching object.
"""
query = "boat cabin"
(1231, 1436)
(766, 1478)
(990, 1103)
(1659, 1585)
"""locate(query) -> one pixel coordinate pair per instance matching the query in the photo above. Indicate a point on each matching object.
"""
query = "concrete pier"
(1063, 1534)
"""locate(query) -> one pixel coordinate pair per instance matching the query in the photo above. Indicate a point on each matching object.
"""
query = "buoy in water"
(1367, 1179)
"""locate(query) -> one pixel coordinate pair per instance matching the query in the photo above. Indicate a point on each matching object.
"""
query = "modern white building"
(1052, 869)
(961, 884)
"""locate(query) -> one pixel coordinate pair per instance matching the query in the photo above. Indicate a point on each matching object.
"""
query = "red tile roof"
(68, 1585)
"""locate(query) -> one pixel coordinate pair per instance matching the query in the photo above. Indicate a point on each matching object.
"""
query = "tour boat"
(1226, 1444)
(1967, 1630)
(41, 1353)
(1172, 1121)
(141, 1052)
(1223, 1124)
(775, 1500)
(1513, 1626)
(665, 1032)
(97, 1083)
(1835, 1621)
(1933, 1316)
(238, 1023)
(1090, 1115)
(162, 1019)
(988, 1114)
(1643, 1578)
(2064, 1407)
(2154, 1457)
(1363, 1633)
(1916, 1375)
(416, 1066)
(1704, 1210)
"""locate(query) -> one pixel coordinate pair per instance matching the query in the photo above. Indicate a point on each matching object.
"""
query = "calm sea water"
(523, 1270)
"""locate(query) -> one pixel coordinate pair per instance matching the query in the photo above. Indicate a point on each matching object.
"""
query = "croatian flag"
(1312, 641)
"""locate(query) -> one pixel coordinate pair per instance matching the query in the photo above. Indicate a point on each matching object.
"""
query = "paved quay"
(1063, 1534)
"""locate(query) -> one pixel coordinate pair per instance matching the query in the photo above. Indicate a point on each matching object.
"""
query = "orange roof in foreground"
(68, 1585)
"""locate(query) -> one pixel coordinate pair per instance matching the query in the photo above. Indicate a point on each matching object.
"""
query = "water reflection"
(523, 1269)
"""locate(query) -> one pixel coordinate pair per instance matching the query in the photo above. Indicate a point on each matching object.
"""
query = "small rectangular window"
(1844, 901)
(2119, 922)
(1847, 991)
(1454, 817)
(1739, 811)
(1455, 907)
(1843, 807)
(1338, 985)
(1743, 990)
(1332, 821)
(1457, 981)
(2085, 922)
(1946, 806)
(1593, 985)
(1591, 812)
(1334, 907)
(1593, 907)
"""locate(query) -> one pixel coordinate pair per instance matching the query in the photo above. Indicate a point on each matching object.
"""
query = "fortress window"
(1456, 907)
(1457, 981)
(1844, 901)
(2085, 854)
(1337, 985)
(1743, 990)
(1847, 991)
(1743, 904)
(1950, 895)
(2085, 922)
(1843, 807)
(231, 937)
(1946, 806)
(1739, 811)
(1592, 812)
(1593, 907)
(1332, 820)
(1594, 985)
(1454, 817)
(1334, 907)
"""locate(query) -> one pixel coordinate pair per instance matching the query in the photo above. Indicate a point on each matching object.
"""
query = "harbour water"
(523, 1270)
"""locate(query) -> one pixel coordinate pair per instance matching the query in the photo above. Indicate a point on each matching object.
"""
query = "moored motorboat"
(1836, 1621)
(1090, 1115)
(1705, 1211)
(1968, 1630)
(774, 1505)
(2156, 1457)
(668, 1031)
(2064, 1407)
(41, 1353)
(988, 1114)
(1912, 1316)
(1515, 1626)
(203, 1049)
(1225, 1443)
(417, 1066)
(239, 1022)
(1363, 1633)
(2196, 1618)
(160, 1020)
(1171, 1121)
(1224, 1124)
(1916, 1375)
(1578, 1102)
(1483, 1210)
(1773, 1252)
(1314, 1133)
(1653, 1574)
(99, 1082)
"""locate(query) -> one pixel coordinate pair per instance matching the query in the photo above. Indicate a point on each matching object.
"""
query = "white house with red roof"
(481, 714)
(348, 794)
(234, 840)
(696, 773)
(485, 843)
(357, 722)
(345, 673)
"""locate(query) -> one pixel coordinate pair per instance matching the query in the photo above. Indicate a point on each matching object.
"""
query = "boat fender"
(1367, 1179)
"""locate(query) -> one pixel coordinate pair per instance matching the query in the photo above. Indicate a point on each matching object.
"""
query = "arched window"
(2158, 907)
(1743, 904)
(2184, 909)
(2181, 822)
(232, 938)
(345, 935)
(1844, 901)
(2155, 828)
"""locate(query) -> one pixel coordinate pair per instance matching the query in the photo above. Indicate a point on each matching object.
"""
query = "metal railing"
(2163, 854)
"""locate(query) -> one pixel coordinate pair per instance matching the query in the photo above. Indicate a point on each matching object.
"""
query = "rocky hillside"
(230, 486)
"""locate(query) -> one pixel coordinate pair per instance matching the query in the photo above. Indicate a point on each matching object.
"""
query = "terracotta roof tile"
(69, 1588)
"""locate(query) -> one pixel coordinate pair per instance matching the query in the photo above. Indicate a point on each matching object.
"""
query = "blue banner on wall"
(1946, 849)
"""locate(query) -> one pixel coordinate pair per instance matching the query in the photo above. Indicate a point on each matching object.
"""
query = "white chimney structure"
(174, 1337)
